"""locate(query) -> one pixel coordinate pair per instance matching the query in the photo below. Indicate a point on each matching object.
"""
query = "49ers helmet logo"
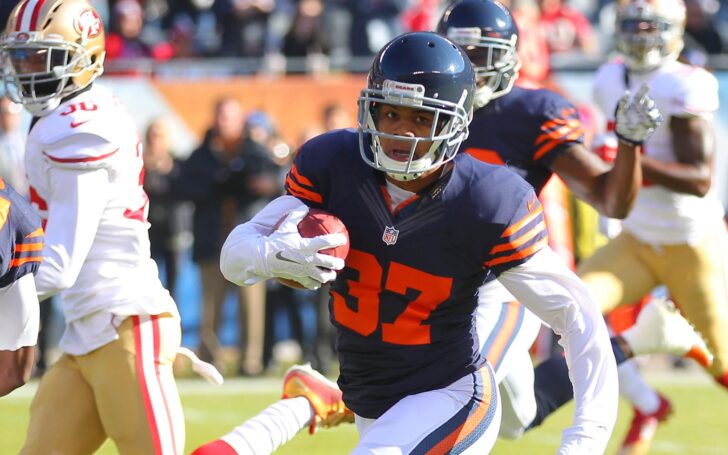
(88, 20)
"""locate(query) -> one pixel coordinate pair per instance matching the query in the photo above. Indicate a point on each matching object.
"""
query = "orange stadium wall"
(295, 103)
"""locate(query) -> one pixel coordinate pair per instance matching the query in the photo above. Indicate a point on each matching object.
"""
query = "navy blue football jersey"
(404, 303)
(21, 236)
(525, 130)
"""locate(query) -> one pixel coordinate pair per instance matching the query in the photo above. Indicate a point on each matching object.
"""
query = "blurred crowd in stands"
(315, 33)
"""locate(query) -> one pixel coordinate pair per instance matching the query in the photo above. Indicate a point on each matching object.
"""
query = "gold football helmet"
(649, 32)
(50, 50)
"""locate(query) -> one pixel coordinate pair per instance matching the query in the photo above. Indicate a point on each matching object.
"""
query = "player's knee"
(12, 378)
(10, 383)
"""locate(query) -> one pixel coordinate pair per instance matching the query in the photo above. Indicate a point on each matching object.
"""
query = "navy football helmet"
(488, 33)
(426, 71)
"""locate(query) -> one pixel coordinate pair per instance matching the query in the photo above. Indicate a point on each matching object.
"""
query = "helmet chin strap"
(404, 177)
(44, 108)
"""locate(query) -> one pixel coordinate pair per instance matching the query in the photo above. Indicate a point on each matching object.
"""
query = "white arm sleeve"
(241, 259)
(19, 314)
(556, 295)
(74, 212)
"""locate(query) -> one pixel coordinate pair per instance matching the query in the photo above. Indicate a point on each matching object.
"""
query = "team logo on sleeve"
(390, 235)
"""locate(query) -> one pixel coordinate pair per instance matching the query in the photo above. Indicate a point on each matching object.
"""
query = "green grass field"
(699, 425)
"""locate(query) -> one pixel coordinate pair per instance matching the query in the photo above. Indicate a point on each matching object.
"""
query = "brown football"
(320, 222)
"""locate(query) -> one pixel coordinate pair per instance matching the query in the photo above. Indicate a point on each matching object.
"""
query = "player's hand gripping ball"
(319, 222)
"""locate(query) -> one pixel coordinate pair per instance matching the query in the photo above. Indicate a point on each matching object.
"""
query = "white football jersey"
(116, 277)
(661, 215)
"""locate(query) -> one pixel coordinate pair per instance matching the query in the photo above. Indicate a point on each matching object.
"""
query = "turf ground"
(698, 427)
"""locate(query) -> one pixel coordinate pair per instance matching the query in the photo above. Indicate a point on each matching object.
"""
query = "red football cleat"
(323, 395)
(643, 428)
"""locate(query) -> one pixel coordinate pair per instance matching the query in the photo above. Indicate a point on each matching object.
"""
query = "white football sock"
(271, 428)
(635, 389)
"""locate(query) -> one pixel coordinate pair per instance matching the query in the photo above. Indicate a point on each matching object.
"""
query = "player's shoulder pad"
(81, 150)
(690, 90)
(336, 147)
(608, 85)
(611, 72)
(93, 112)
(552, 105)
(495, 189)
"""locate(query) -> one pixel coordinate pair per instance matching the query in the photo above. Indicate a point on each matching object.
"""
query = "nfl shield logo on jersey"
(390, 235)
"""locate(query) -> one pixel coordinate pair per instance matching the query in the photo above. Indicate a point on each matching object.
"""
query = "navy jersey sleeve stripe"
(301, 187)
(521, 239)
(561, 128)
(294, 189)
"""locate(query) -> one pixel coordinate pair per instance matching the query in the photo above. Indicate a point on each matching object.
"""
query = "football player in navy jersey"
(21, 242)
(426, 227)
(536, 133)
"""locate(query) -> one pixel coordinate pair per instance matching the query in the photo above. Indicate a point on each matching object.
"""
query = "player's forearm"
(694, 179)
(559, 298)
(619, 188)
(241, 258)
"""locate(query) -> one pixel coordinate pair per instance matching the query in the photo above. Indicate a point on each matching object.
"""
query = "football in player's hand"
(319, 222)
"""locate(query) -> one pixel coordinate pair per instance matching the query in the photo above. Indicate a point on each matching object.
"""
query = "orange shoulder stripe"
(522, 222)
(512, 245)
(560, 132)
(544, 149)
(298, 191)
(299, 177)
(548, 124)
(20, 261)
(23, 247)
(519, 255)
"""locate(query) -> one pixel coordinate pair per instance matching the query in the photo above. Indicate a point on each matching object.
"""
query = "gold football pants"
(696, 276)
(124, 390)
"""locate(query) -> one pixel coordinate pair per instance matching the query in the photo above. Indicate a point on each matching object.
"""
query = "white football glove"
(288, 255)
(204, 369)
(636, 118)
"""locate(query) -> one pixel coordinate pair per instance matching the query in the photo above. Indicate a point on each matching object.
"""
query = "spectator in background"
(305, 38)
(260, 128)
(373, 24)
(422, 15)
(566, 29)
(125, 37)
(12, 146)
(169, 218)
(244, 26)
(335, 117)
(225, 178)
(298, 307)
(533, 50)
(701, 33)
